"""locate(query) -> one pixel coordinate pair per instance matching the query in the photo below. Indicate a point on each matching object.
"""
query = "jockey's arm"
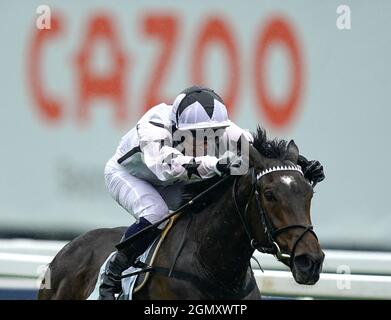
(235, 132)
(166, 162)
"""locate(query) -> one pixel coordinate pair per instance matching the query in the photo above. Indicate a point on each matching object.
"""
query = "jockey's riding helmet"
(199, 108)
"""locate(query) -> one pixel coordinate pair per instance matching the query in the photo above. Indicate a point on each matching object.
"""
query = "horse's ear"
(292, 152)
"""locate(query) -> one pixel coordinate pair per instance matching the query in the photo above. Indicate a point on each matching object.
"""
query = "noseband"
(270, 230)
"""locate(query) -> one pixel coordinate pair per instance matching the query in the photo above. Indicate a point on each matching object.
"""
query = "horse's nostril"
(303, 262)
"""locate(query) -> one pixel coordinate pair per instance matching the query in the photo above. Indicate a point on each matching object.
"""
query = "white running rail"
(346, 274)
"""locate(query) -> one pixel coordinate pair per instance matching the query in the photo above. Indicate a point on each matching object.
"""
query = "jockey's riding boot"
(125, 257)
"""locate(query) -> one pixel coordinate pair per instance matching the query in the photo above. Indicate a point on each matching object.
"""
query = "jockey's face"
(202, 142)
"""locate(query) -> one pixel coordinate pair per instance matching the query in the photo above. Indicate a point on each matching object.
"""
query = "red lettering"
(278, 114)
(49, 106)
(110, 85)
(215, 31)
(165, 29)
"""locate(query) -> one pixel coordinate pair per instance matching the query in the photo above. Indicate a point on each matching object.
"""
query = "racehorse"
(266, 209)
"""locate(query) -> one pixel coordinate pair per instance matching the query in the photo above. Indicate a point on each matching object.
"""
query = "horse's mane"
(275, 148)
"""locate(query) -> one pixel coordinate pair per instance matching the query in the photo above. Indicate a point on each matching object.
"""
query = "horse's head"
(279, 214)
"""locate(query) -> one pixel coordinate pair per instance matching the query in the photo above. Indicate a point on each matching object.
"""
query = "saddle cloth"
(129, 283)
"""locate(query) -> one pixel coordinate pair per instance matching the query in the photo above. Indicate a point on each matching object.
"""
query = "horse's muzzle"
(306, 268)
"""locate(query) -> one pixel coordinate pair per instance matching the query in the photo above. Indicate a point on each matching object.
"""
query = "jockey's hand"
(225, 165)
(312, 170)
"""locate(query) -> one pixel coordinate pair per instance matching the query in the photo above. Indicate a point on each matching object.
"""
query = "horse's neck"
(224, 249)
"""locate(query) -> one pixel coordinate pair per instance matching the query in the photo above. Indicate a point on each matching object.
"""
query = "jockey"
(149, 157)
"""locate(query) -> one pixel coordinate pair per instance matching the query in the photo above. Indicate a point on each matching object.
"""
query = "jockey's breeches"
(139, 197)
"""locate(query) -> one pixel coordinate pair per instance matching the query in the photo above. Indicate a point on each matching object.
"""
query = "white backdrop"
(52, 177)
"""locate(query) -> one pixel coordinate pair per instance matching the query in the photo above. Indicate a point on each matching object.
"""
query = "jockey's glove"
(226, 165)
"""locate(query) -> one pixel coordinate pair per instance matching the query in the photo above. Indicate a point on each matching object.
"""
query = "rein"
(270, 230)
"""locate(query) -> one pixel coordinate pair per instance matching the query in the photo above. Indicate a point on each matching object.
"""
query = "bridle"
(270, 230)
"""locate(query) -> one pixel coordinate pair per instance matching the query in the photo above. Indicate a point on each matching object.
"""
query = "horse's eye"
(269, 195)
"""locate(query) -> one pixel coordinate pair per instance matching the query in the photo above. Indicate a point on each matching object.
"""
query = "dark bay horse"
(264, 210)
